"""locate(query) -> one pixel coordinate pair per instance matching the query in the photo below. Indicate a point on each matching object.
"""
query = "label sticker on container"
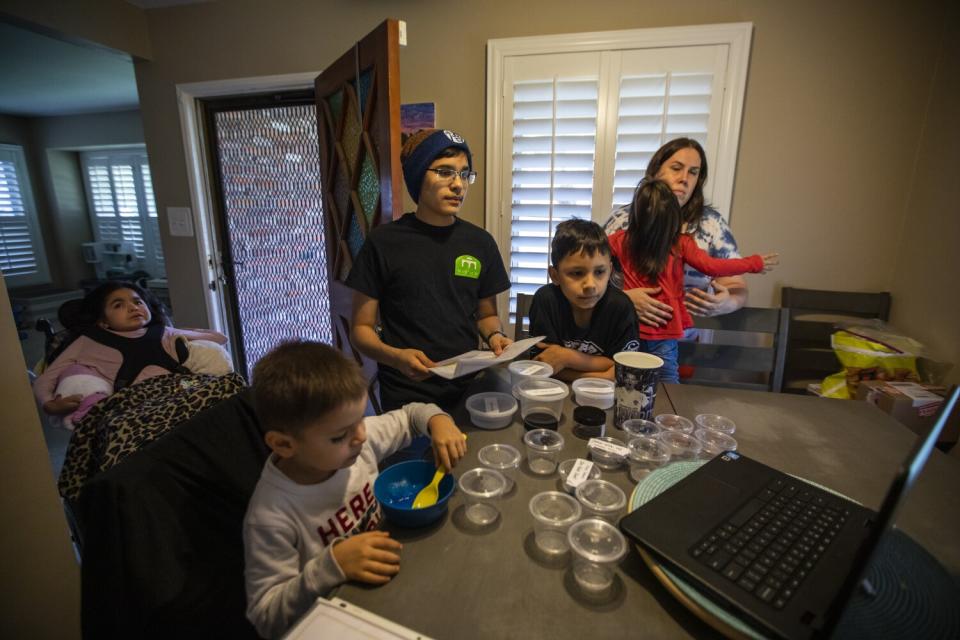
(530, 370)
(490, 405)
(579, 472)
(607, 447)
(604, 391)
(550, 391)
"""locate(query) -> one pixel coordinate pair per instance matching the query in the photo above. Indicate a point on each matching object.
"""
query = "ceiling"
(43, 76)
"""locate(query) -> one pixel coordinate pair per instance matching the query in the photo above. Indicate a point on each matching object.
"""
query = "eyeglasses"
(466, 175)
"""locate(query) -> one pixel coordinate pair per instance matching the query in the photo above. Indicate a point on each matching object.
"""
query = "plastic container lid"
(597, 541)
(594, 392)
(589, 416)
(483, 483)
(564, 468)
(555, 509)
(543, 440)
(491, 410)
(543, 390)
(499, 456)
(602, 454)
(715, 442)
(716, 422)
(681, 444)
(601, 496)
(646, 449)
(530, 368)
(637, 427)
(674, 422)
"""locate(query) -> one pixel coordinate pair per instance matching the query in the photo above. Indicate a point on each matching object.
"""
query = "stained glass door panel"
(358, 112)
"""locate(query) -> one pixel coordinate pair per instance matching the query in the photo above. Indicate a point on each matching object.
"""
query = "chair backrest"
(814, 315)
(746, 349)
(521, 328)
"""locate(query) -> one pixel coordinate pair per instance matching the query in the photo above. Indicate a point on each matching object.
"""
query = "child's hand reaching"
(372, 557)
(770, 260)
(554, 355)
(62, 405)
(449, 443)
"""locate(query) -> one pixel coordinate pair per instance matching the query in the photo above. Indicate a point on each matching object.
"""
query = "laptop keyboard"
(769, 546)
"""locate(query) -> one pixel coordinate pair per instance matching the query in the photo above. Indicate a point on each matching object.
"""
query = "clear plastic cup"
(564, 470)
(523, 369)
(646, 454)
(543, 450)
(503, 458)
(553, 513)
(593, 392)
(607, 460)
(541, 399)
(491, 410)
(716, 422)
(597, 547)
(714, 442)
(683, 446)
(637, 427)
(482, 489)
(601, 499)
(673, 422)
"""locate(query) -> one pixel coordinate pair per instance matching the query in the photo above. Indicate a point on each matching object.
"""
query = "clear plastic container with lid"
(565, 468)
(503, 458)
(683, 446)
(541, 401)
(601, 499)
(714, 442)
(491, 410)
(523, 369)
(646, 454)
(543, 450)
(673, 422)
(597, 547)
(637, 427)
(553, 513)
(593, 392)
(608, 453)
(482, 489)
(716, 422)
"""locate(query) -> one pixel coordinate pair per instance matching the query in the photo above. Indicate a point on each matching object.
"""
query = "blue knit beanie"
(422, 154)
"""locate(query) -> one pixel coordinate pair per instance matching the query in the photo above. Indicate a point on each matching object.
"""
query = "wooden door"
(358, 112)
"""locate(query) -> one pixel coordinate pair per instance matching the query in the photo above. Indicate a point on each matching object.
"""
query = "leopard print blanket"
(134, 416)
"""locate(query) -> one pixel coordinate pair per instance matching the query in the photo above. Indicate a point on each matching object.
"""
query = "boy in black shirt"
(585, 321)
(430, 279)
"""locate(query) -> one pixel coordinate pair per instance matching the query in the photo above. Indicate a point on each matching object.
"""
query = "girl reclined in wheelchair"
(122, 336)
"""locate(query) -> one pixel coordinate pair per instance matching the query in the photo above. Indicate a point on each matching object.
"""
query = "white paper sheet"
(473, 361)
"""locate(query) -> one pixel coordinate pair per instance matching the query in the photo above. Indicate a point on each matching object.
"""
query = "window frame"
(135, 157)
(736, 36)
(42, 275)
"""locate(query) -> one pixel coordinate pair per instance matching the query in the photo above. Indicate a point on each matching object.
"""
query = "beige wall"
(41, 597)
(834, 106)
(926, 278)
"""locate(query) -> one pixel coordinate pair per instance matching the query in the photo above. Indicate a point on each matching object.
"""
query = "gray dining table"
(458, 582)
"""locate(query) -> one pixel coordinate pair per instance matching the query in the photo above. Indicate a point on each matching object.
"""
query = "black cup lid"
(590, 416)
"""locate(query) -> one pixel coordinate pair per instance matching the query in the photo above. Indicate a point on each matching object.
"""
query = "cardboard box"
(914, 405)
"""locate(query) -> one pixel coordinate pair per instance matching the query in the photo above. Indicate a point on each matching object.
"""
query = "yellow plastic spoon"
(429, 495)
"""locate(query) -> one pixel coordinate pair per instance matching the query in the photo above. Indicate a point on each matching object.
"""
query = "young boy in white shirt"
(312, 520)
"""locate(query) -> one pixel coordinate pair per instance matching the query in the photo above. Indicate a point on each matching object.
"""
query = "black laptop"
(779, 551)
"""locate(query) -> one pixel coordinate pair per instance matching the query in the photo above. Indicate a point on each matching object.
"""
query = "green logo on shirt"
(467, 266)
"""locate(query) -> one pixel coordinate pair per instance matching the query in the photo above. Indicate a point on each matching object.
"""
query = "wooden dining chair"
(746, 350)
(521, 327)
(814, 316)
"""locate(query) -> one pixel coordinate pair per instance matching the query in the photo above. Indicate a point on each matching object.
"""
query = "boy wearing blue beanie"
(429, 280)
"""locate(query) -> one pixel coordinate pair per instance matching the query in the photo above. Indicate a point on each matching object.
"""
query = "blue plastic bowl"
(399, 484)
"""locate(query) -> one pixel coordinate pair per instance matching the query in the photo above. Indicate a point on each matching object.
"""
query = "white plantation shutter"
(120, 192)
(574, 129)
(553, 142)
(22, 258)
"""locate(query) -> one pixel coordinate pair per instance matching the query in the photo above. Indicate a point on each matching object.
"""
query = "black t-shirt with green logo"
(428, 281)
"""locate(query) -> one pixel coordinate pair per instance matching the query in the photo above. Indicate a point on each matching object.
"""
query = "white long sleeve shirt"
(289, 528)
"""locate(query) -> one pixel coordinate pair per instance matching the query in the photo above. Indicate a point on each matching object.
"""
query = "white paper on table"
(473, 361)
(340, 619)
